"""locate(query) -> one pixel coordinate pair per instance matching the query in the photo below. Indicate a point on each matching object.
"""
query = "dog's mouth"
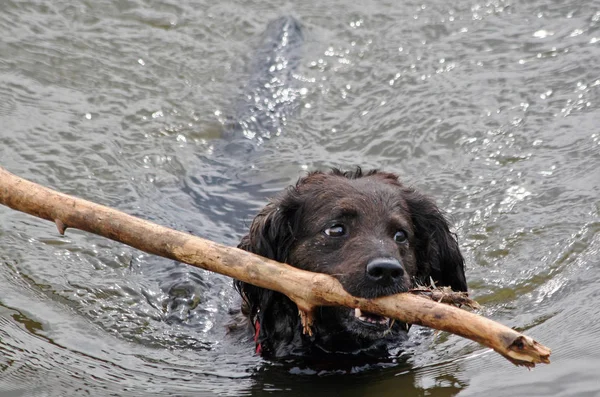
(345, 329)
(371, 318)
(369, 324)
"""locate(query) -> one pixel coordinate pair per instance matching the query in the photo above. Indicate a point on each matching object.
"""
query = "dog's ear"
(271, 235)
(271, 232)
(437, 251)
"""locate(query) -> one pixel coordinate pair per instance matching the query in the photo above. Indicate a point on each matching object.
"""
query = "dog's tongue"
(370, 317)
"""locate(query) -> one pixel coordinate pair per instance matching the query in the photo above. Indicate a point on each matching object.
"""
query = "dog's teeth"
(358, 314)
(370, 319)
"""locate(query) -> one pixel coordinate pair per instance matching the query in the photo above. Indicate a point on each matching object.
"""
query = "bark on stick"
(308, 290)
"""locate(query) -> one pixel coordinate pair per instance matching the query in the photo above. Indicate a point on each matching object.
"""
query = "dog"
(374, 234)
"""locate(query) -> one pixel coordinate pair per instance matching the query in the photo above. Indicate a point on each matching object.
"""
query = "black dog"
(375, 235)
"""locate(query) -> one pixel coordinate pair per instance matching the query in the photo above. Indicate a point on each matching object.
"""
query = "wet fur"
(372, 206)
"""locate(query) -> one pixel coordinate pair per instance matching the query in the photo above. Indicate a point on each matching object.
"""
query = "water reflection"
(439, 381)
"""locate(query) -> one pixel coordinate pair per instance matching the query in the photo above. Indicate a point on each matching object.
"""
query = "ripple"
(489, 107)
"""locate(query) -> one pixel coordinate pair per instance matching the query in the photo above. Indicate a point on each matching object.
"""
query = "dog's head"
(375, 235)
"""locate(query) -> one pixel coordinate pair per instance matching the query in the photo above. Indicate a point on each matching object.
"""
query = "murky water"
(492, 107)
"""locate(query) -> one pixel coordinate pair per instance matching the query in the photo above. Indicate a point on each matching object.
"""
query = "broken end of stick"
(524, 351)
(307, 321)
(60, 226)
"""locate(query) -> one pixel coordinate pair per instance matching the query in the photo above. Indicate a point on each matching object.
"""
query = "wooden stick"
(308, 290)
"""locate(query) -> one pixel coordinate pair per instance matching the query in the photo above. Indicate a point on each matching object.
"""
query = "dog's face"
(359, 231)
(373, 234)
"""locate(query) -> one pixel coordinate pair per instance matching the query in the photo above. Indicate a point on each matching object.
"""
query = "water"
(491, 107)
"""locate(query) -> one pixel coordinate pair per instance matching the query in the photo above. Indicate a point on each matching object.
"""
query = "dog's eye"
(335, 231)
(400, 237)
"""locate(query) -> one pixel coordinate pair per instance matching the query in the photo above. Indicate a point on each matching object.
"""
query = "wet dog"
(375, 235)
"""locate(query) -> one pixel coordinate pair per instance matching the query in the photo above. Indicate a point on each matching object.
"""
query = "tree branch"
(308, 290)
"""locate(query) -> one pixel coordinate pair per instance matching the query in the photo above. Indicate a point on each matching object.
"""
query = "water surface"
(491, 107)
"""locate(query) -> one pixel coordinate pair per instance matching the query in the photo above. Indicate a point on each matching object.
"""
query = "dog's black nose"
(385, 271)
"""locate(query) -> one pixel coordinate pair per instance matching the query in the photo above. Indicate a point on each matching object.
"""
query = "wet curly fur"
(374, 234)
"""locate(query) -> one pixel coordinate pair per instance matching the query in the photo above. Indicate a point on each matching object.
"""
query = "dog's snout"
(385, 271)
